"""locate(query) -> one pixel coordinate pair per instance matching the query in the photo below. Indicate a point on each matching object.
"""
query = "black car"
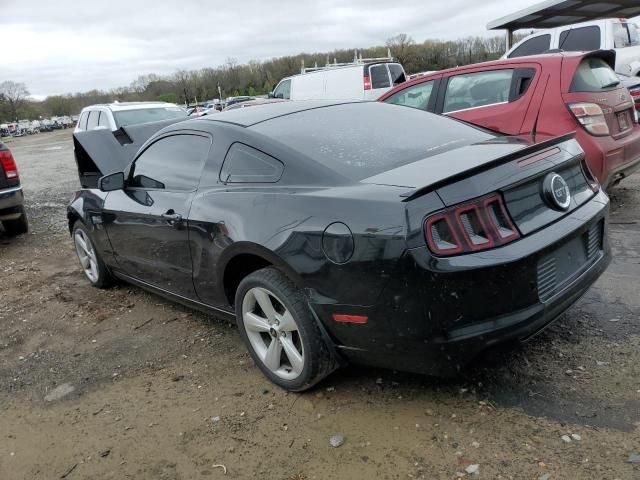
(361, 232)
(12, 213)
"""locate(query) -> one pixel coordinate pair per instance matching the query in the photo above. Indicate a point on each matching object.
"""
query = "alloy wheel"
(273, 333)
(86, 255)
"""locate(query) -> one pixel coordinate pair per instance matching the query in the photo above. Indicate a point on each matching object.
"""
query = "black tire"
(318, 360)
(103, 276)
(17, 226)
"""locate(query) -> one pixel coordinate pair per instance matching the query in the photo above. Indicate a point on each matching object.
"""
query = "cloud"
(71, 45)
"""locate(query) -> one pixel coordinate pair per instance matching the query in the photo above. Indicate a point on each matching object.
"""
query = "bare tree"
(14, 94)
(140, 84)
(402, 48)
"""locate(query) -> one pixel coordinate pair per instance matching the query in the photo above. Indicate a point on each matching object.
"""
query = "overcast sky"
(63, 46)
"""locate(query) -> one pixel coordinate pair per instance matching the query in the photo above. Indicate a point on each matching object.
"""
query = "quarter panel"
(289, 222)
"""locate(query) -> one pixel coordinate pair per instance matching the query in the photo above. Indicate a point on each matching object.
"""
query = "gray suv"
(12, 214)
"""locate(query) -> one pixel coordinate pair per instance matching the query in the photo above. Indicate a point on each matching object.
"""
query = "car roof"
(247, 117)
(541, 58)
(117, 106)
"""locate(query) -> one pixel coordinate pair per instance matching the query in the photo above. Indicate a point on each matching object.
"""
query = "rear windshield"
(144, 115)
(397, 74)
(594, 75)
(368, 138)
(625, 35)
(379, 76)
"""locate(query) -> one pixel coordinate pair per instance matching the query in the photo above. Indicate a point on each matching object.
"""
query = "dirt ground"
(112, 384)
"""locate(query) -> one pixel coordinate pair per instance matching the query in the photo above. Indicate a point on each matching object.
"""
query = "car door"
(496, 98)
(147, 221)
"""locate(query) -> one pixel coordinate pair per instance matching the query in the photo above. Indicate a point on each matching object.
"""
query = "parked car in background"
(252, 103)
(633, 85)
(353, 231)
(46, 125)
(549, 94)
(233, 100)
(28, 127)
(112, 116)
(618, 34)
(364, 79)
(12, 213)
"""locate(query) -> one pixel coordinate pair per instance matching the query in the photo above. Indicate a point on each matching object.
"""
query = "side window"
(379, 76)
(397, 74)
(534, 46)
(82, 123)
(477, 90)
(625, 35)
(173, 163)
(244, 164)
(283, 90)
(92, 121)
(522, 78)
(103, 121)
(416, 96)
(578, 39)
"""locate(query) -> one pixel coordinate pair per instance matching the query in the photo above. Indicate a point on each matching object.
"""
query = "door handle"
(172, 218)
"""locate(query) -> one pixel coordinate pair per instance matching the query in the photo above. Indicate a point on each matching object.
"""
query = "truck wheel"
(18, 226)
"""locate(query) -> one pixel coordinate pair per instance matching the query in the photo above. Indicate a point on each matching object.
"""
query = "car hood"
(431, 172)
(102, 152)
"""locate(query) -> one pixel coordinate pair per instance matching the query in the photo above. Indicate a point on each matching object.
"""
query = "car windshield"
(625, 35)
(145, 115)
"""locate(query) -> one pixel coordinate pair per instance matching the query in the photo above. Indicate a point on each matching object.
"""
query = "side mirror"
(112, 182)
(270, 95)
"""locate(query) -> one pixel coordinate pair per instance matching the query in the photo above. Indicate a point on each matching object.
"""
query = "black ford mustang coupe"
(335, 232)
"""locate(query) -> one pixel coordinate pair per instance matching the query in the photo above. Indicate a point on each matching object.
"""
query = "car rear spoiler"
(102, 152)
(535, 147)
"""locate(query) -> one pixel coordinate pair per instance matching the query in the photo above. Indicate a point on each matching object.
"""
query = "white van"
(364, 79)
(616, 34)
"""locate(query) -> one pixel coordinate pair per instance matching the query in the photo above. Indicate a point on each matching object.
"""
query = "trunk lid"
(517, 171)
(591, 80)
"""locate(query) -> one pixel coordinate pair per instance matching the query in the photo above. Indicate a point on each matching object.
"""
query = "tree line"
(252, 78)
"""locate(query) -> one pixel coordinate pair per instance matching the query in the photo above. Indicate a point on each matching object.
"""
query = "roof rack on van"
(357, 60)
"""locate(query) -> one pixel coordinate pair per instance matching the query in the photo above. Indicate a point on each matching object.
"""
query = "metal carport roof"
(557, 13)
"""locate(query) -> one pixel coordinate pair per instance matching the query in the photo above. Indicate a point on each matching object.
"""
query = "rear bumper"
(623, 171)
(611, 158)
(435, 319)
(11, 199)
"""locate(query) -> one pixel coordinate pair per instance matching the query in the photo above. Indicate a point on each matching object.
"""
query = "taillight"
(591, 117)
(367, 83)
(8, 165)
(478, 225)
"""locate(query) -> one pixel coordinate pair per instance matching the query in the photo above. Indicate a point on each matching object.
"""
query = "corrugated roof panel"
(557, 13)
